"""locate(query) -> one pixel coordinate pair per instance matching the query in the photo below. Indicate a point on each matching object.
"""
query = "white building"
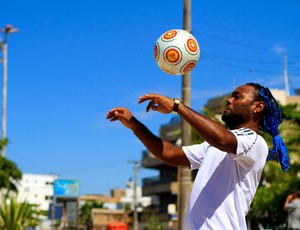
(141, 201)
(37, 189)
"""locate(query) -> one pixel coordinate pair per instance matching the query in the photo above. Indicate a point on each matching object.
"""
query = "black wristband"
(177, 101)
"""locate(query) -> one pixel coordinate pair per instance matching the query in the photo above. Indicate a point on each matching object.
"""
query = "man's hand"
(158, 103)
(121, 114)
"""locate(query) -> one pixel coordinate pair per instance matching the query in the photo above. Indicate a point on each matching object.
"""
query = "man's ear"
(259, 106)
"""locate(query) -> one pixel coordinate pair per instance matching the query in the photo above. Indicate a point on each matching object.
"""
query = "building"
(37, 189)
(280, 95)
(117, 208)
(128, 199)
(119, 198)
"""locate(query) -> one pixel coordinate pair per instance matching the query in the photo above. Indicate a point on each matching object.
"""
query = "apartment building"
(37, 189)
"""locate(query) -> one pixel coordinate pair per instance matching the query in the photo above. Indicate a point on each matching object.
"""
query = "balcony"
(171, 131)
(150, 161)
(156, 185)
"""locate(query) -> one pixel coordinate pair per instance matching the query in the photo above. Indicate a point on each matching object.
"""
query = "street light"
(7, 30)
(135, 198)
(184, 174)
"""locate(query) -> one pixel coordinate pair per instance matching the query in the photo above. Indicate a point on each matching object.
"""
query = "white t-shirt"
(225, 183)
(293, 209)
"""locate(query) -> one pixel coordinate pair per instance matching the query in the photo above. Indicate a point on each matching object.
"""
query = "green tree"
(85, 215)
(17, 216)
(267, 206)
(154, 224)
(292, 117)
(10, 175)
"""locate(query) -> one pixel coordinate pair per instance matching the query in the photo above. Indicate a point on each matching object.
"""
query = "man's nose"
(229, 100)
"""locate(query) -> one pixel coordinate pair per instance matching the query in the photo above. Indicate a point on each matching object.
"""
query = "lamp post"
(184, 174)
(7, 30)
(135, 195)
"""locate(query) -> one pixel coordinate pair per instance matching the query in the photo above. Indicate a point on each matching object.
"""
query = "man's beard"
(232, 120)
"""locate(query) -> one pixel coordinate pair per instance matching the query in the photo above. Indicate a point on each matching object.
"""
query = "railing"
(156, 180)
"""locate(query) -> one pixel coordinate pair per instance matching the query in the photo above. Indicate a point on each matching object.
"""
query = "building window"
(48, 197)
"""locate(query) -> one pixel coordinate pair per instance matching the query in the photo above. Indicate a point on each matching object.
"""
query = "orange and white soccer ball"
(176, 52)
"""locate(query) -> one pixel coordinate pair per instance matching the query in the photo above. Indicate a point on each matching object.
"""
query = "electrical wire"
(239, 43)
(251, 70)
(244, 60)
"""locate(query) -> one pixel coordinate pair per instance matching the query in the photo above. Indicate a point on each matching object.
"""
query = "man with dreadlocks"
(229, 162)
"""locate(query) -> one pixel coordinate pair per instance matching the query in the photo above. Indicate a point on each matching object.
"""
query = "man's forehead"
(244, 89)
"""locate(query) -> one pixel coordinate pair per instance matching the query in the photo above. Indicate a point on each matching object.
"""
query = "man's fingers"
(149, 106)
(114, 119)
(114, 114)
(147, 97)
(141, 100)
(109, 115)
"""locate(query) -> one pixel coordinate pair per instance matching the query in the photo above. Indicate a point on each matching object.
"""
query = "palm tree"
(17, 216)
(10, 175)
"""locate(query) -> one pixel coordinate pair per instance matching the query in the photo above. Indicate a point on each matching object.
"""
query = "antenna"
(285, 75)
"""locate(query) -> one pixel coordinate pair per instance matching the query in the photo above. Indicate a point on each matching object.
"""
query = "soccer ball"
(176, 52)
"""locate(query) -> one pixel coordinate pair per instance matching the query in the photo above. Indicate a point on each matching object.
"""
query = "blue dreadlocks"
(269, 123)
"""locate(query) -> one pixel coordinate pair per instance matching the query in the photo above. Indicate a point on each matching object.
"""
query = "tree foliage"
(17, 216)
(10, 175)
(85, 216)
(267, 207)
(154, 224)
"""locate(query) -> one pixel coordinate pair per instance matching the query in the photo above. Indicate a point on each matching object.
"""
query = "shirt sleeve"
(291, 206)
(196, 154)
(250, 147)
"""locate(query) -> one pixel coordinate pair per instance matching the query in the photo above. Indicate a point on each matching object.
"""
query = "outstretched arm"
(209, 130)
(163, 150)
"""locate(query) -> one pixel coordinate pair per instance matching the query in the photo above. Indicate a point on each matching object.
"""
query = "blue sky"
(72, 61)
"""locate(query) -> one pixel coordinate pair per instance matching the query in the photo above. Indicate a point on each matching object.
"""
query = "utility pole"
(285, 75)
(135, 198)
(184, 173)
(7, 30)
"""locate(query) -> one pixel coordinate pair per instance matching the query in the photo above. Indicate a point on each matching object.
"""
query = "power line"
(222, 61)
(241, 67)
(243, 60)
(240, 43)
(234, 42)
